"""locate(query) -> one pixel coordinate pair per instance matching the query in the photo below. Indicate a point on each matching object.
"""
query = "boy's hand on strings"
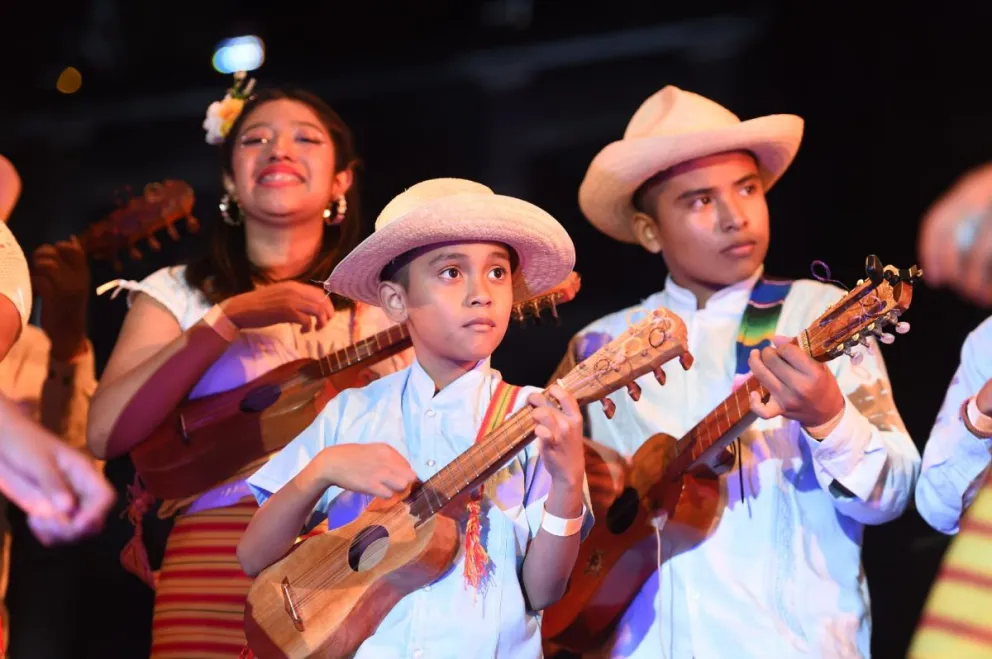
(375, 469)
(559, 432)
(801, 388)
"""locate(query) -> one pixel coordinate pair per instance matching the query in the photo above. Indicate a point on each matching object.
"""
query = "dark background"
(519, 94)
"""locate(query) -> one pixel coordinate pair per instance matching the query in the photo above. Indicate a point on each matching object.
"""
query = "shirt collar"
(729, 300)
(421, 386)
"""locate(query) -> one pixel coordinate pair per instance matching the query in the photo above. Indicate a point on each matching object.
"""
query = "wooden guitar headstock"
(159, 206)
(646, 345)
(873, 304)
(560, 294)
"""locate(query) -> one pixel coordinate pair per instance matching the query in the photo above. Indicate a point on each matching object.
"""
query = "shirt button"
(431, 463)
(430, 413)
(427, 588)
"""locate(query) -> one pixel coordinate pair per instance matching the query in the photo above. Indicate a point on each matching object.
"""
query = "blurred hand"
(955, 241)
(64, 496)
(60, 276)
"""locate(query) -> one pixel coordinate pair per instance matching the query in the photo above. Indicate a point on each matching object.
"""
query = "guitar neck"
(474, 466)
(374, 348)
(721, 426)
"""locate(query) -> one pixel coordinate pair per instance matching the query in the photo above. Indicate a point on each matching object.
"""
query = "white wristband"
(218, 321)
(981, 421)
(560, 526)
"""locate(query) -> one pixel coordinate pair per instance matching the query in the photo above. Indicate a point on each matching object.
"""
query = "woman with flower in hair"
(290, 214)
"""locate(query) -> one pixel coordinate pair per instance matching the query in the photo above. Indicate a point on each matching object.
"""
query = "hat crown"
(673, 111)
(424, 192)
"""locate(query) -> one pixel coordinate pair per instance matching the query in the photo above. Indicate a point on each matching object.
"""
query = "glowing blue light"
(239, 54)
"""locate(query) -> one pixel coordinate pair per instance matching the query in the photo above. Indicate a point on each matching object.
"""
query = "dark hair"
(225, 270)
(398, 270)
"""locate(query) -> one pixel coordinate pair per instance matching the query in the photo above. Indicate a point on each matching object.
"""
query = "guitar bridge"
(288, 599)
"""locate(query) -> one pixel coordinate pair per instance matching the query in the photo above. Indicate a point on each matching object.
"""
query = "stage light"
(70, 80)
(239, 54)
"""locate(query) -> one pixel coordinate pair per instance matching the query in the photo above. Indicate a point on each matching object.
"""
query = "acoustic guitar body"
(208, 440)
(620, 553)
(329, 595)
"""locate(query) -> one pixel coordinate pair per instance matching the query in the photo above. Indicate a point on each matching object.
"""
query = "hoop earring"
(340, 206)
(225, 206)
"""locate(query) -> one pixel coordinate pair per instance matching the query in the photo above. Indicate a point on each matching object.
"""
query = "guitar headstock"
(159, 206)
(560, 294)
(646, 345)
(874, 304)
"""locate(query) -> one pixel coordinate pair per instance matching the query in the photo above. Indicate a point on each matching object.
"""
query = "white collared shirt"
(446, 619)
(781, 574)
(955, 461)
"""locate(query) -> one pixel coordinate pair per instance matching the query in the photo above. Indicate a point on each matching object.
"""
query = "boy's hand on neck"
(560, 434)
(801, 388)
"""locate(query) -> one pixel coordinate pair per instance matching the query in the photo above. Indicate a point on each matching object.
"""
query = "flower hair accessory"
(221, 115)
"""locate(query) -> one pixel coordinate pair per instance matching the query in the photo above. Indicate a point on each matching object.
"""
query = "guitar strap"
(476, 557)
(757, 328)
(759, 322)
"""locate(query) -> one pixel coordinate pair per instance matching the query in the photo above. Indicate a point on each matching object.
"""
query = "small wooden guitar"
(159, 206)
(207, 440)
(680, 476)
(329, 594)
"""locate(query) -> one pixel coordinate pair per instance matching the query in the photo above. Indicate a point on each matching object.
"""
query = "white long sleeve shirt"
(781, 575)
(955, 461)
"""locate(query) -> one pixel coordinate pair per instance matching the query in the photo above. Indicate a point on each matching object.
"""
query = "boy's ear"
(392, 299)
(646, 231)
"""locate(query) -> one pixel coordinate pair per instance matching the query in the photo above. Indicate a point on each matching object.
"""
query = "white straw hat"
(450, 209)
(671, 127)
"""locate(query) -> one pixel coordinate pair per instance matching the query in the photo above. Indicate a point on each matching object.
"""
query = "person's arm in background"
(10, 188)
(61, 278)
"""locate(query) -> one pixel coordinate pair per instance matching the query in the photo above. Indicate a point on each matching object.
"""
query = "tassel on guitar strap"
(476, 558)
(757, 329)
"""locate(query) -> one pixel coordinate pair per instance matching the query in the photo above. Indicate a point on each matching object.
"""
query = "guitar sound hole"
(368, 547)
(623, 511)
(260, 398)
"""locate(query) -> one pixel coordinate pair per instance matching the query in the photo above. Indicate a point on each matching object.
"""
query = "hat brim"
(606, 194)
(544, 250)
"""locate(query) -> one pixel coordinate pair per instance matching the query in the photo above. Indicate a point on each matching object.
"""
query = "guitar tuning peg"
(856, 357)
(154, 244)
(634, 390)
(686, 359)
(518, 315)
(886, 338)
(902, 327)
(537, 312)
(609, 409)
(659, 375)
(554, 313)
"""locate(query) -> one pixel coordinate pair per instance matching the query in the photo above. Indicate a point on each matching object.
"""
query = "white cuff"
(218, 321)
(560, 526)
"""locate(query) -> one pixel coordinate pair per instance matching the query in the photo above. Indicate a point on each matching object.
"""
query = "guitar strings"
(306, 578)
(515, 424)
(445, 475)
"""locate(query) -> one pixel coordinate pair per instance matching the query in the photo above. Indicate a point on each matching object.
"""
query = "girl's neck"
(283, 251)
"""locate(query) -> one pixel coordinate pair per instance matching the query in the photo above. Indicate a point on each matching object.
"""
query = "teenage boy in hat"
(780, 575)
(448, 258)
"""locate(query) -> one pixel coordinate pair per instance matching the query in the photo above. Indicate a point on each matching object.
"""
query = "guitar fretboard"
(479, 462)
(722, 425)
(378, 346)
